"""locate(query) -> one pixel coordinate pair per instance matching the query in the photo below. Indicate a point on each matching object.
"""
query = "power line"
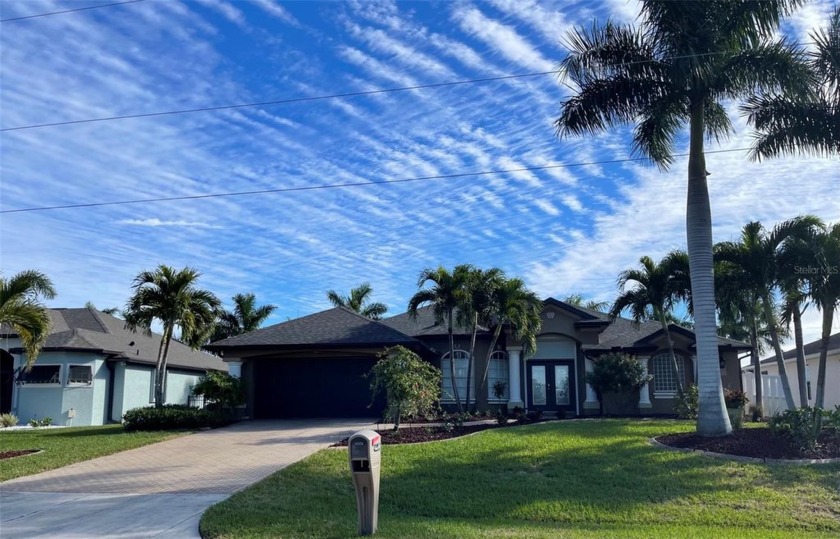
(342, 185)
(279, 101)
(70, 10)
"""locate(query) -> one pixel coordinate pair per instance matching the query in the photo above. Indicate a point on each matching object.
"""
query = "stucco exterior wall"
(36, 401)
(179, 385)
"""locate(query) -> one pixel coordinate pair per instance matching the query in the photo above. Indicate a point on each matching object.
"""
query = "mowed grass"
(562, 479)
(61, 447)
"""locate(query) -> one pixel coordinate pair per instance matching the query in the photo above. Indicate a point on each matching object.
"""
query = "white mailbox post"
(365, 452)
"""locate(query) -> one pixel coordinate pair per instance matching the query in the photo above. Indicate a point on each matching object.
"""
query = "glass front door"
(551, 385)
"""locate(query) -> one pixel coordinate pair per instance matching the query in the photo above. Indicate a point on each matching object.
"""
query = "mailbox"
(365, 451)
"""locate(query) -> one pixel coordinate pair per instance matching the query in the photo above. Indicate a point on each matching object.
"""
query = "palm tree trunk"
(780, 360)
(483, 385)
(712, 419)
(671, 353)
(470, 359)
(828, 318)
(161, 365)
(756, 363)
(800, 356)
(452, 364)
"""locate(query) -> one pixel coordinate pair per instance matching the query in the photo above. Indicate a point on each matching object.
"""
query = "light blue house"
(92, 370)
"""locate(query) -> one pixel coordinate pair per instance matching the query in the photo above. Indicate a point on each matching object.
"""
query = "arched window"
(497, 373)
(460, 377)
(664, 382)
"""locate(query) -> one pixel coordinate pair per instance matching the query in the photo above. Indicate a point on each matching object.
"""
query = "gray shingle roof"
(91, 330)
(334, 327)
(810, 348)
(424, 324)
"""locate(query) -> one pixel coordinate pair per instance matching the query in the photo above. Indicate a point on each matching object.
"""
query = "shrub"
(616, 373)
(411, 385)
(686, 404)
(735, 398)
(221, 387)
(172, 416)
(501, 417)
(801, 425)
(756, 413)
(8, 420)
(35, 422)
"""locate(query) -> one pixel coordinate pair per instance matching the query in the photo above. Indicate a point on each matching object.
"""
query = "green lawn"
(563, 479)
(66, 446)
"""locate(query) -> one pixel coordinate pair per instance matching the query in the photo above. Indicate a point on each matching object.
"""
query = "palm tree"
(655, 290)
(513, 305)
(476, 307)
(113, 311)
(576, 300)
(805, 123)
(21, 309)
(358, 301)
(445, 296)
(171, 297)
(824, 290)
(674, 70)
(758, 256)
(244, 317)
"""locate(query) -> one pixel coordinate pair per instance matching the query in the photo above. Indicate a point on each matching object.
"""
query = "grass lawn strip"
(61, 447)
(565, 479)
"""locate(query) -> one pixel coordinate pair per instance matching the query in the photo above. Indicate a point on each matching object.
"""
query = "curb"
(751, 460)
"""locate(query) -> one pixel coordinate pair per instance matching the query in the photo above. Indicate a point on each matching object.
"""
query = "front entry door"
(551, 386)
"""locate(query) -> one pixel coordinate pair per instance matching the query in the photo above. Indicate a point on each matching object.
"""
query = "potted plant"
(736, 400)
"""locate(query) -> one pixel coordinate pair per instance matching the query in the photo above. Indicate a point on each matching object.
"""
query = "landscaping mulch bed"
(413, 435)
(756, 443)
(12, 454)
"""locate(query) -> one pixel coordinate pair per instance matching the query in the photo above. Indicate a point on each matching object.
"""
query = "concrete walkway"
(162, 489)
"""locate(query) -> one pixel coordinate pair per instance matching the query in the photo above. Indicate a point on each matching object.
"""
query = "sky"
(569, 229)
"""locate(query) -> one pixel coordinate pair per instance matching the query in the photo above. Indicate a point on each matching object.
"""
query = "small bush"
(8, 420)
(534, 415)
(222, 388)
(172, 416)
(35, 422)
(735, 398)
(686, 404)
(801, 425)
(411, 385)
(756, 413)
(501, 417)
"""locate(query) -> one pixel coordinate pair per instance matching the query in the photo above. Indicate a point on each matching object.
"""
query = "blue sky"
(564, 230)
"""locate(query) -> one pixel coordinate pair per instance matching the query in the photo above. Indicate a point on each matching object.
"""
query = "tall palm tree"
(514, 306)
(21, 309)
(758, 256)
(244, 317)
(447, 293)
(824, 290)
(794, 304)
(476, 306)
(171, 297)
(650, 293)
(357, 301)
(673, 70)
(576, 300)
(805, 123)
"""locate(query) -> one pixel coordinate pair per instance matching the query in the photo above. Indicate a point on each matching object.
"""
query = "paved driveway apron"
(159, 490)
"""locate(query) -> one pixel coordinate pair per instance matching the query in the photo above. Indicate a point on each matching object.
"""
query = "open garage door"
(314, 387)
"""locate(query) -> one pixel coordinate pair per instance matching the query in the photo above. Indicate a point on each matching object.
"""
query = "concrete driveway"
(159, 490)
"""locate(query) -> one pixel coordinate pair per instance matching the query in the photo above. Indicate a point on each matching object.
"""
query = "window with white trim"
(79, 375)
(664, 381)
(461, 363)
(498, 373)
(41, 375)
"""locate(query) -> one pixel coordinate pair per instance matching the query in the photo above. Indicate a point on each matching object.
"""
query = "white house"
(774, 400)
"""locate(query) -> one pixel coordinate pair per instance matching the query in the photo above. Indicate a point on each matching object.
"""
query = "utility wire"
(343, 185)
(70, 10)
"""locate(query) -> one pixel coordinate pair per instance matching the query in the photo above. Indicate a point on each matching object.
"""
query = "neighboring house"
(774, 399)
(92, 370)
(315, 366)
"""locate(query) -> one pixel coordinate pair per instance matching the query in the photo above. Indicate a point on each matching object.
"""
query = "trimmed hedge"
(172, 416)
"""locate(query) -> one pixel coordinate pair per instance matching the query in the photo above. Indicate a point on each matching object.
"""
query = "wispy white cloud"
(154, 222)
(272, 7)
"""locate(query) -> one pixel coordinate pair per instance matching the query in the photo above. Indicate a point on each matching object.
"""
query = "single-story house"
(315, 366)
(774, 400)
(92, 370)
